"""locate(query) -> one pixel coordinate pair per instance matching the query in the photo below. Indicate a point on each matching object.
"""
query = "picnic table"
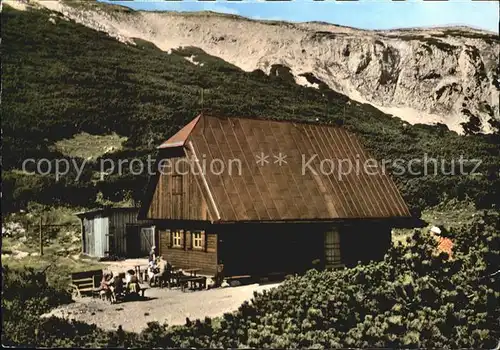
(192, 281)
(192, 272)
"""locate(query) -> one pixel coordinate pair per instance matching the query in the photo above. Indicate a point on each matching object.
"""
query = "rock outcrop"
(438, 75)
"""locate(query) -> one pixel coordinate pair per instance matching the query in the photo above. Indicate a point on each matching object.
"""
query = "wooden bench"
(86, 282)
(233, 278)
(198, 282)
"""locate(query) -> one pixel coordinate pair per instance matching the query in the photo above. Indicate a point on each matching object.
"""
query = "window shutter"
(168, 238)
(184, 239)
(204, 241)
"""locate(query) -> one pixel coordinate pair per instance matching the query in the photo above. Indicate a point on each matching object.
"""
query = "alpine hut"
(264, 196)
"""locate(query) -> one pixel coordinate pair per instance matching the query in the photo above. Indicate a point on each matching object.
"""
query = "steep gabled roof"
(300, 186)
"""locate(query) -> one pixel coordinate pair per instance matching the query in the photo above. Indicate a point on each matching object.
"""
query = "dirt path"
(163, 305)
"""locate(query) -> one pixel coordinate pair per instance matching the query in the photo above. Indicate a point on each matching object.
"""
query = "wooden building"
(235, 191)
(116, 232)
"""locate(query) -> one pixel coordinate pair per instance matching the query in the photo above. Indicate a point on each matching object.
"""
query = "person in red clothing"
(106, 282)
(444, 244)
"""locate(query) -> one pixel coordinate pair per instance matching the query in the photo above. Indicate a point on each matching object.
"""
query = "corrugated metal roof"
(106, 211)
(290, 190)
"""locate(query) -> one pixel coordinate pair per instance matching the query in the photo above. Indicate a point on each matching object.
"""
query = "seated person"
(106, 282)
(153, 269)
(133, 283)
(218, 278)
(118, 283)
(168, 268)
(128, 275)
(165, 272)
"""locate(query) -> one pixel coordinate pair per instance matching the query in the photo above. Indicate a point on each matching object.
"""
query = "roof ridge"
(179, 139)
(318, 122)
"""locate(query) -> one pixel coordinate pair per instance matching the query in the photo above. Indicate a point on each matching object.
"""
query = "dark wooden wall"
(260, 249)
(364, 242)
(186, 256)
(118, 221)
(178, 196)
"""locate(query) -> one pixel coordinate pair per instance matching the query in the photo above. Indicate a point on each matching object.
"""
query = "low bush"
(415, 298)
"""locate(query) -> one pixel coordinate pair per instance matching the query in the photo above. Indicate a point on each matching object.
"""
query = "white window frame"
(197, 238)
(177, 238)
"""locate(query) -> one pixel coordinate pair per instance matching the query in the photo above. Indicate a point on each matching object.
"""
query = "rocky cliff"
(438, 75)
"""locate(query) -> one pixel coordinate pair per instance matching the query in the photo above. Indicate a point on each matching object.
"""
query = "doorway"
(332, 249)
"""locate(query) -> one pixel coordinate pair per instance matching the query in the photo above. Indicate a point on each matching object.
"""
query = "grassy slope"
(450, 216)
(62, 244)
(63, 79)
(85, 146)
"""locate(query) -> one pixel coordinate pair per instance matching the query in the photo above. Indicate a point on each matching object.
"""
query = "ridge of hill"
(447, 75)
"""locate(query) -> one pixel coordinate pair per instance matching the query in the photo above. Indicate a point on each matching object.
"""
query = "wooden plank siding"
(88, 233)
(117, 230)
(104, 231)
(177, 195)
(187, 256)
(118, 222)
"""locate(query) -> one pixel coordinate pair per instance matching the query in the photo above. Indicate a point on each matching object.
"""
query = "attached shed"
(116, 232)
(269, 204)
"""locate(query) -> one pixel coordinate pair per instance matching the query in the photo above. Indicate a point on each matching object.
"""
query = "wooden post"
(41, 237)
(83, 235)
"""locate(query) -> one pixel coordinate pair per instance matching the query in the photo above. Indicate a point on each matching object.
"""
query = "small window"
(197, 240)
(177, 239)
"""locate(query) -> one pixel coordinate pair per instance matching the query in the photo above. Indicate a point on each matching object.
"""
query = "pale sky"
(365, 14)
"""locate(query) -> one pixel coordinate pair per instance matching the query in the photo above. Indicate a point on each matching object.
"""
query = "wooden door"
(147, 239)
(332, 249)
(88, 225)
(101, 247)
(133, 241)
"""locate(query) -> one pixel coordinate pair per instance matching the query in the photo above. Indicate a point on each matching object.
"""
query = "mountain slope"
(61, 78)
(445, 75)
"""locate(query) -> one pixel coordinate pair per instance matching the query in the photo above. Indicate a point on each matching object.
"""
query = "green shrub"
(412, 299)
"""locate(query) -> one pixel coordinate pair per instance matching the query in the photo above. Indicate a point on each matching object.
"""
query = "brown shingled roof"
(276, 193)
